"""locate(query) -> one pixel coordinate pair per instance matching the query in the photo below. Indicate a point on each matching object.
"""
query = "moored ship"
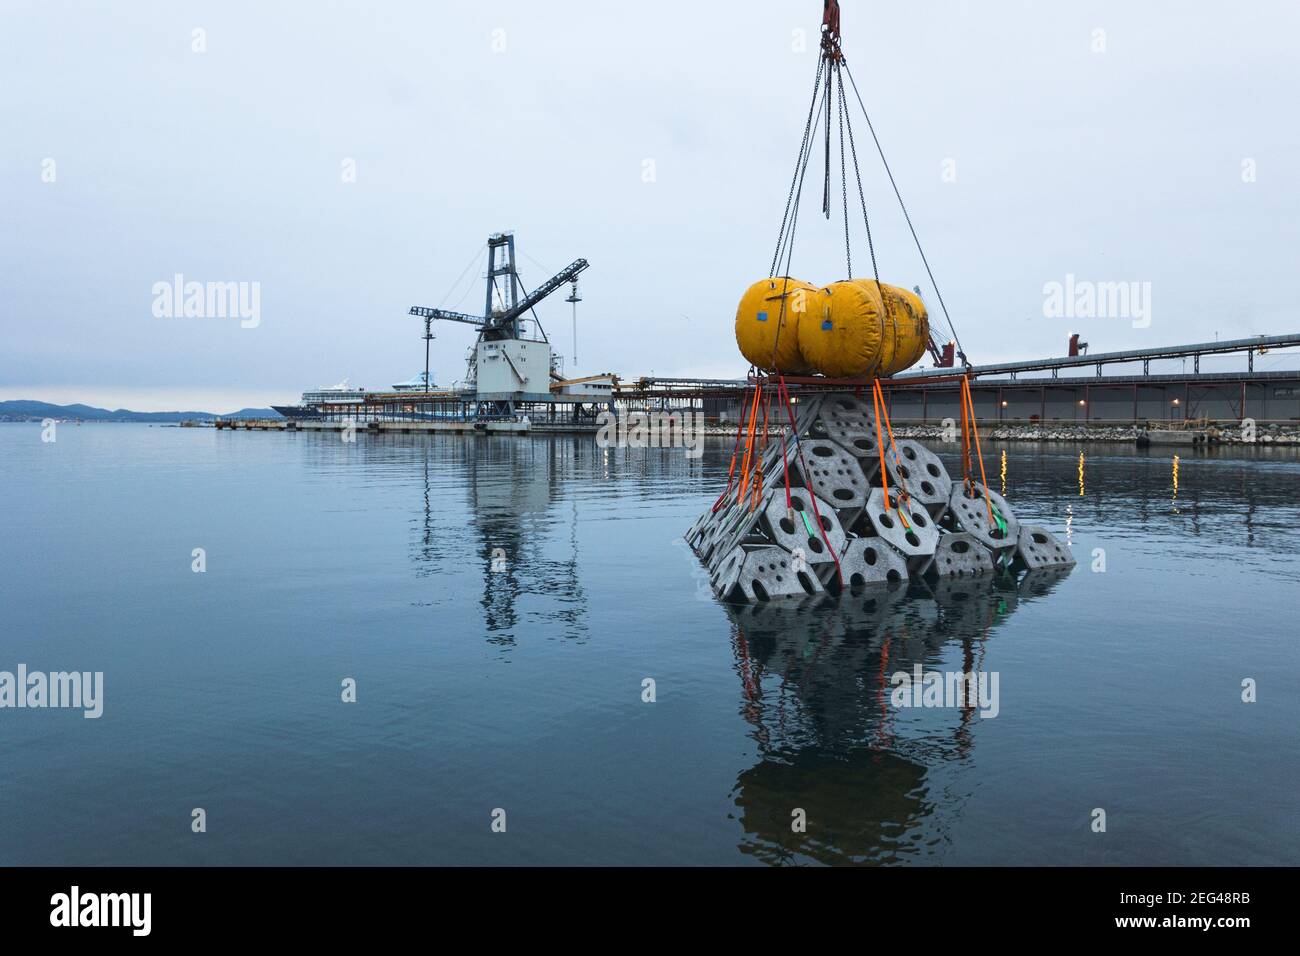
(308, 408)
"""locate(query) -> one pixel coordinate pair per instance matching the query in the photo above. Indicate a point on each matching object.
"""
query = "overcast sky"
(1127, 163)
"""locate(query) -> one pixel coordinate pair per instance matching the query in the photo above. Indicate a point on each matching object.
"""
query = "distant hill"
(20, 410)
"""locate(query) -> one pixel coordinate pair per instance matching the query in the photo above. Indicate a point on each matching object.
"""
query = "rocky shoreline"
(1225, 434)
(1212, 434)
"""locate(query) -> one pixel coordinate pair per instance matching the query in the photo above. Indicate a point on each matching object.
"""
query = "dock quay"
(516, 384)
(469, 426)
(1107, 396)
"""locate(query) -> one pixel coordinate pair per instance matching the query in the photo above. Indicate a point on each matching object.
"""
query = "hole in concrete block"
(960, 547)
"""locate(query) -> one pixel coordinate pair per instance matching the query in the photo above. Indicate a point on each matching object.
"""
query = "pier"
(452, 426)
(1036, 393)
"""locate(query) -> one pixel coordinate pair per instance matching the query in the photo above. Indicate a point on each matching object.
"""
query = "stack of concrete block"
(762, 550)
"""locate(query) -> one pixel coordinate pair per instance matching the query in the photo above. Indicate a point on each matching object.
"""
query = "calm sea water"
(521, 689)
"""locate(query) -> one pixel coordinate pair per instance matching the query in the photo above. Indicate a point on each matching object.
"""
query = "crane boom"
(498, 320)
(444, 315)
(567, 274)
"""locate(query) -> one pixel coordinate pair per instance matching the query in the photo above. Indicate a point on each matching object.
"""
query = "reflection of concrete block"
(1042, 582)
(1038, 548)
(960, 555)
(971, 604)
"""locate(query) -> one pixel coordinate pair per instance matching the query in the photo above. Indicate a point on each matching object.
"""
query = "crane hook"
(831, 29)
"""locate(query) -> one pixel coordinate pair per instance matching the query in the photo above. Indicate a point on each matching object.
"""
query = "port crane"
(504, 365)
(500, 322)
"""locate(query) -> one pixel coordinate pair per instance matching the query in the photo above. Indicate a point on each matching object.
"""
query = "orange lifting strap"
(735, 455)
(783, 392)
(745, 471)
(882, 412)
(968, 420)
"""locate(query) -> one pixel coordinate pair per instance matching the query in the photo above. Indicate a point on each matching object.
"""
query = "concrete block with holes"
(834, 476)
(771, 572)
(922, 474)
(960, 555)
(970, 513)
(905, 526)
(1038, 548)
(870, 561)
(850, 423)
(798, 532)
(759, 549)
(733, 525)
(697, 530)
(725, 573)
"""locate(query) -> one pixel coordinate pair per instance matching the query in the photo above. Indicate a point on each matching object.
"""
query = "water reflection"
(1247, 495)
(815, 689)
(1174, 500)
(514, 508)
(521, 500)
